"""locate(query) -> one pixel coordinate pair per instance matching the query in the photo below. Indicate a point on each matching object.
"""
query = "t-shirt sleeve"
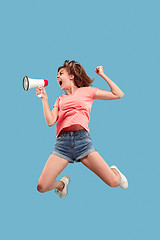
(92, 92)
(56, 103)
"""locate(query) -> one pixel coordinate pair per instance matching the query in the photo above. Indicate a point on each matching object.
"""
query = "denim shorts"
(73, 145)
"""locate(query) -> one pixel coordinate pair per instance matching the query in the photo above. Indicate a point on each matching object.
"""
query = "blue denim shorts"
(73, 145)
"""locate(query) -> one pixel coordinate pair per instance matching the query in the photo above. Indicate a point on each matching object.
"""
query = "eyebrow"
(61, 71)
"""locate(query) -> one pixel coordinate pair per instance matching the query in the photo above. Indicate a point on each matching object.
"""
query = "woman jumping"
(73, 143)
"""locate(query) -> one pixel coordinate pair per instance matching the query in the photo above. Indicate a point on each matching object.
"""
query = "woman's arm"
(115, 92)
(50, 117)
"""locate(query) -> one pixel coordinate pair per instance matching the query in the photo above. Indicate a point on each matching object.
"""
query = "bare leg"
(47, 181)
(97, 165)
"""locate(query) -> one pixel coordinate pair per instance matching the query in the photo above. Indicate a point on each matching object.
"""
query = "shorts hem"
(62, 156)
(86, 153)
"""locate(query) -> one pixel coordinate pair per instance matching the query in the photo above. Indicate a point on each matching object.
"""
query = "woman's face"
(64, 79)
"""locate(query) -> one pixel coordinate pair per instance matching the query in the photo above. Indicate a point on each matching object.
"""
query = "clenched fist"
(42, 93)
(99, 70)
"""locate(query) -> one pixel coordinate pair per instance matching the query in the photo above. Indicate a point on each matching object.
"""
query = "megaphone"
(31, 83)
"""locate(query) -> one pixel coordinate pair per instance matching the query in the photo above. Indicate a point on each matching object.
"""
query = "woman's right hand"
(42, 92)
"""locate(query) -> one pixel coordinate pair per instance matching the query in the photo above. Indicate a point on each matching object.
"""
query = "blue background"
(123, 36)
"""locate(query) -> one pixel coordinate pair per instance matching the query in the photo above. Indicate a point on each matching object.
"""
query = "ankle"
(115, 172)
(61, 186)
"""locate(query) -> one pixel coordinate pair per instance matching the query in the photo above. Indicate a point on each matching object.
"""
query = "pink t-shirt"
(75, 108)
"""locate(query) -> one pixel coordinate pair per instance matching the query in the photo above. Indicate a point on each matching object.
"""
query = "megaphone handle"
(39, 95)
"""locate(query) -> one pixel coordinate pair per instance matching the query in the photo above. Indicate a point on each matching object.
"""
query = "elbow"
(120, 95)
(50, 124)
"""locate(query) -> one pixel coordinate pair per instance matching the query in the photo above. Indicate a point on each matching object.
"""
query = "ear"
(71, 77)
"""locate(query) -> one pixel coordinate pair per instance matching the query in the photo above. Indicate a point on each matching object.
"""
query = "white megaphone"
(31, 83)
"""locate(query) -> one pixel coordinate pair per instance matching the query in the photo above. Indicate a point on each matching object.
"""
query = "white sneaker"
(63, 193)
(124, 182)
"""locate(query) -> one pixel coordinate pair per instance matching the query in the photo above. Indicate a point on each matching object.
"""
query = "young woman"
(73, 143)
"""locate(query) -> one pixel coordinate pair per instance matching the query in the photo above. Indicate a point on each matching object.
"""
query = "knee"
(41, 188)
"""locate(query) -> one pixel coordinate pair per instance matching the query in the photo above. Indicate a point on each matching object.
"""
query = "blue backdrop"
(123, 36)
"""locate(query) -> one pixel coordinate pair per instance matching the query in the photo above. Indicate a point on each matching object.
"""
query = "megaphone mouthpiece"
(45, 83)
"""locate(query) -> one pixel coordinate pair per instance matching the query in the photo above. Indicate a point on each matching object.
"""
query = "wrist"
(102, 75)
(44, 100)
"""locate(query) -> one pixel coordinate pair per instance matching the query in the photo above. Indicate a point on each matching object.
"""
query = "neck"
(71, 90)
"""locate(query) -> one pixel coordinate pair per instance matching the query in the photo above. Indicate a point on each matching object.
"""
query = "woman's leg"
(97, 165)
(47, 181)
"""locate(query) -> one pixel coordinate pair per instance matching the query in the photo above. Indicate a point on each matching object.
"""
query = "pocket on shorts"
(83, 135)
(60, 137)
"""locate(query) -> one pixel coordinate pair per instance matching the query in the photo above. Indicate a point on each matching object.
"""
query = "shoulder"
(61, 96)
(89, 89)
(92, 91)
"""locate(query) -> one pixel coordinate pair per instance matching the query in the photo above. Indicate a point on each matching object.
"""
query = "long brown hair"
(81, 78)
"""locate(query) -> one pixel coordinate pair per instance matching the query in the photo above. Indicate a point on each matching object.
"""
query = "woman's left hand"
(99, 70)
